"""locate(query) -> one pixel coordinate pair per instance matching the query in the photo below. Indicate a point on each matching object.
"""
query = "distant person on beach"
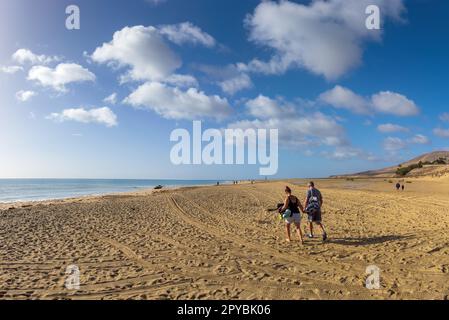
(398, 185)
(403, 187)
(291, 212)
(313, 204)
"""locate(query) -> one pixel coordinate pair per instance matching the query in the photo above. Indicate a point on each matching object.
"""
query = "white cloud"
(383, 102)
(299, 131)
(143, 50)
(394, 103)
(419, 139)
(111, 99)
(229, 78)
(392, 144)
(186, 32)
(174, 103)
(24, 56)
(103, 116)
(389, 128)
(348, 152)
(442, 133)
(324, 37)
(295, 129)
(235, 84)
(444, 117)
(24, 96)
(343, 98)
(10, 69)
(264, 107)
(60, 76)
(182, 80)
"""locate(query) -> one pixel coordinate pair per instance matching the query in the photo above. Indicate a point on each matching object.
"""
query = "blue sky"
(343, 97)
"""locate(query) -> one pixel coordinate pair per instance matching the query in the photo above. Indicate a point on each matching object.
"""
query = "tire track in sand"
(271, 253)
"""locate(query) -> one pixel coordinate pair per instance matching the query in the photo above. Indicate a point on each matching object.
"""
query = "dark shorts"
(316, 217)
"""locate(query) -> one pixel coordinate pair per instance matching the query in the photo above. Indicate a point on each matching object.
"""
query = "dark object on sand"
(158, 187)
(279, 206)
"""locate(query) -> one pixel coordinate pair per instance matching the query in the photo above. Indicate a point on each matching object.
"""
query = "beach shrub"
(440, 161)
(403, 171)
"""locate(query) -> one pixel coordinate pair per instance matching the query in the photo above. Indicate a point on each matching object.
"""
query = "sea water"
(14, 190)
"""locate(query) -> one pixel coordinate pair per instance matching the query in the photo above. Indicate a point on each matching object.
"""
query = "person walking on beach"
(398, 185)
(291, 212)
(313, 204)
(403, 187)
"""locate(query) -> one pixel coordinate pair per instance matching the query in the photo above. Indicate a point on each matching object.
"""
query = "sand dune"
(223, 243)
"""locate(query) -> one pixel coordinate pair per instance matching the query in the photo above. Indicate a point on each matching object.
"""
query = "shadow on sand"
(366, 240)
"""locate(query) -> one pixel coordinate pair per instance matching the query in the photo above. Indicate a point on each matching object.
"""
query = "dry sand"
(223, 243)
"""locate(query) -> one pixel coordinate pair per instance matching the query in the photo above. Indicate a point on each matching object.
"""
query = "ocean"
(15, 190)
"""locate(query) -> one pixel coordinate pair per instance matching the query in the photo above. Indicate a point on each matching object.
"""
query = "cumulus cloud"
(229, 78)
(394, 103)
(174, 103)
(182, 80)
(299, 131)
(419, 139)
(264, 107)
(296, 130)
(394, 144)
(10, 69)
(58, 77)
(142, 50)
(389, 128)
(323, 37)
(383, 102)
(24, 96)
(235, 84)
(186, 32)
(348, 152)
(442, 133)
(145, 52)
(111, 99)
(103, 116)
(24, 56)
(343, 98)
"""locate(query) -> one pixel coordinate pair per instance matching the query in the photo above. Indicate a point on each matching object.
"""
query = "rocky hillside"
(430, 164)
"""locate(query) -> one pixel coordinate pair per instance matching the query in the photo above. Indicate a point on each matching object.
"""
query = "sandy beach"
(223, 242)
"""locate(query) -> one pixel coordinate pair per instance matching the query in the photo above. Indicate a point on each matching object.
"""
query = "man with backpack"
(313, 204)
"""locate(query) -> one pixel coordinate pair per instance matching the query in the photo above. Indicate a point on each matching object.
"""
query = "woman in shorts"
(291, 211)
